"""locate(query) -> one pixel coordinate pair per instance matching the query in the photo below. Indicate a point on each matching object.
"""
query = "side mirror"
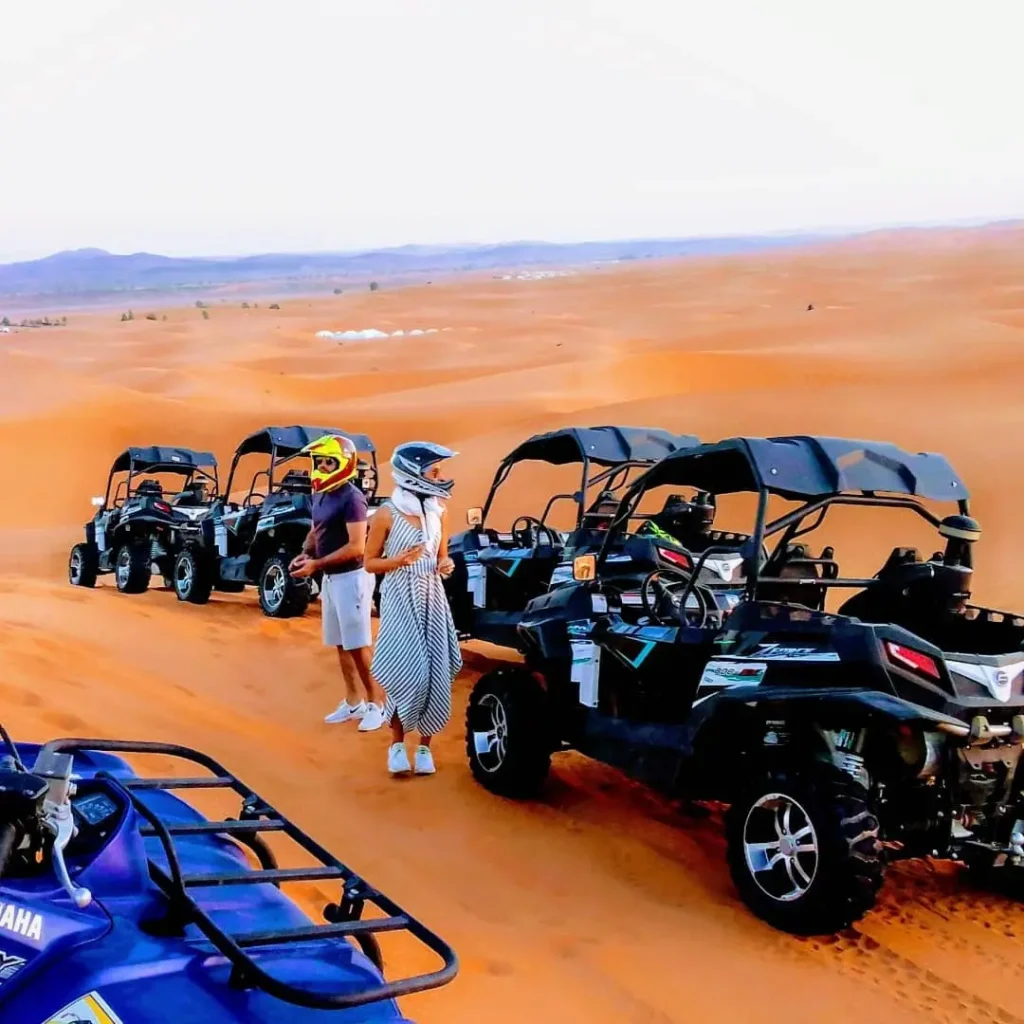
(475, 516)
(96, 502)
(584, 568)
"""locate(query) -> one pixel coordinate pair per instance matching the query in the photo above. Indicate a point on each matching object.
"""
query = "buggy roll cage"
(180, 461)
(618, 449)
(344, 918)
(283, 444)
(925, 475)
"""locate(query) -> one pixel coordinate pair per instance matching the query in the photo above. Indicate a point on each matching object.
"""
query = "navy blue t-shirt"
(332, 512)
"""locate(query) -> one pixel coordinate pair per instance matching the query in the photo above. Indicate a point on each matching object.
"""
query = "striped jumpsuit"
(417, 652)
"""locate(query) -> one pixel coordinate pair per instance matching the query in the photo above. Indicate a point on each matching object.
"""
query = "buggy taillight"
(162, 505)
(907, 657)
(676, 558)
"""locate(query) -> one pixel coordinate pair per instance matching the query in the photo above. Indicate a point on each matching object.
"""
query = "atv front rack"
(344, 918)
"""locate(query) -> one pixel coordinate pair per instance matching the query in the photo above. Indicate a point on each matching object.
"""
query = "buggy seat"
(795, 562)
(295, 481)
(149, 489)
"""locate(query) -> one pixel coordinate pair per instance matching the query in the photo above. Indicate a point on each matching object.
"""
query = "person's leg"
(352, 705)
(398, 756)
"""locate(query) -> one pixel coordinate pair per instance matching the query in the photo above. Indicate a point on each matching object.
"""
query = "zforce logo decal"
(777, 652)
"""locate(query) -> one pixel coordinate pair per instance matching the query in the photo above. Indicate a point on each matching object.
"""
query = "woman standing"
(417, 654)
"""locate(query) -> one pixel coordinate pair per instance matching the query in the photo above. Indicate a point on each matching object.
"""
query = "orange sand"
(603, 902)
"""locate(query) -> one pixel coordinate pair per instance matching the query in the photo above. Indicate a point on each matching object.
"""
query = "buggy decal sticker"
(777, 652)
(586, 670)
(562, 574)
(10, 965)
(18, 921)
(732, 673)
(90, 1009)
(997, 679)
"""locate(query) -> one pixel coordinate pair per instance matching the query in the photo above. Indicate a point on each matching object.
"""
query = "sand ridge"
(602, 902)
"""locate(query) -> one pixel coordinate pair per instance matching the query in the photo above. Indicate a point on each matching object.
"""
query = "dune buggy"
(136, 528)
(121, 903)
(497, 573)
(841, 740)
(251, 542)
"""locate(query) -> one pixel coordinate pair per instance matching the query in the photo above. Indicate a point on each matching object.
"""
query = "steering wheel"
(660, 593)
(528, 535)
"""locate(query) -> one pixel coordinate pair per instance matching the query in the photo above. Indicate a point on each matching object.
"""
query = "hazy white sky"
(220, 126)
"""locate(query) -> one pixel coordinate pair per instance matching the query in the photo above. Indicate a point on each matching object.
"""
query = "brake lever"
(58, 819)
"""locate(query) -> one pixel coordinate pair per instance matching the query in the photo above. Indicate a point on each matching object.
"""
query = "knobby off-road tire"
(83, 565)
(507, 732)
(133, 567)
(824, 891)
(282, 596)
(193, 576)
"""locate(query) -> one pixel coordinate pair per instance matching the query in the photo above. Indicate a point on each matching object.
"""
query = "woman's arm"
(442, 550)
(373, 562)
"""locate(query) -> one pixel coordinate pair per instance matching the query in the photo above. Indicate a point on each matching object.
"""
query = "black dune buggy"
(137, 526)
(496, 574)
(889, 728)
(253, 541)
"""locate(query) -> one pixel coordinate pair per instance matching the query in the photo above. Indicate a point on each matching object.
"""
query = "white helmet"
(409, 463)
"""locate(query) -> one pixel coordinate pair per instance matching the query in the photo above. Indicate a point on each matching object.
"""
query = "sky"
(227, 126)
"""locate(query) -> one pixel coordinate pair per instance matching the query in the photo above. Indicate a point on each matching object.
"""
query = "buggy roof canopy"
(803, 467)
(605, 445)
(289, 440)
(167, 460)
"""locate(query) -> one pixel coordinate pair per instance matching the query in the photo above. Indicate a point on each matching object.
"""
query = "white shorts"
(345, 602)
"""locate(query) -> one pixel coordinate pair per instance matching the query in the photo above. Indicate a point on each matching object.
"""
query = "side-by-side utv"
(890, 727)
(252, 541)
(497, 573)
(137, 525)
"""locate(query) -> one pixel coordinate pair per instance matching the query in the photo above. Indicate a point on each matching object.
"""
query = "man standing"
(335, 547)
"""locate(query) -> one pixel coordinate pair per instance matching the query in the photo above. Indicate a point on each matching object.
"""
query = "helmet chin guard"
(410, 462)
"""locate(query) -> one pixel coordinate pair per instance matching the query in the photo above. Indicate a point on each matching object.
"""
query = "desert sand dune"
(601, 902)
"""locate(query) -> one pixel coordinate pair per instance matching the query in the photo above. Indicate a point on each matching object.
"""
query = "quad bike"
(137, 528)
(841, 740)
(497, 573)
(121, 903)
(252, 542)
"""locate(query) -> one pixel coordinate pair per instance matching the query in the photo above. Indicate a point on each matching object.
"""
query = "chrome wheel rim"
(780, 847)
(124, 567)
(274, 584)
(76, 566)
(184, 574)
(491, 744)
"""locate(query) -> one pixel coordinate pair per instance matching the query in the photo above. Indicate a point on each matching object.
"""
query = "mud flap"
(586, 670)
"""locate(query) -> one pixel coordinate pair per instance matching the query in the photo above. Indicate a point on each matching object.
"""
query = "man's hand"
(304, 566)
(445, 567)
(298, 560)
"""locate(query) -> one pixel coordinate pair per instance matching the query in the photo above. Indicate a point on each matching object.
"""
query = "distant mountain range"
(88, 275)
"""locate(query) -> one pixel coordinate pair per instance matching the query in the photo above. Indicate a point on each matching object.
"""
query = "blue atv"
(120, 903)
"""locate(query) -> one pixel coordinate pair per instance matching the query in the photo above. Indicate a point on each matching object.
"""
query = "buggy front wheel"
(83, 565)
(804, 850)
(507, 732)
(282, 596)
(193, 578)
(133, 568)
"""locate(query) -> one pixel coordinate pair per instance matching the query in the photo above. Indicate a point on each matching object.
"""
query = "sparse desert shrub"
(164, 317)
(24, 323)
(206, 314)
(374, 286)
(151, 316)
(131, 315)
(245, 305)
(124, 317)
(200, 304)
(63, 321)
(337, 291)
(274, 305)
(6, 322)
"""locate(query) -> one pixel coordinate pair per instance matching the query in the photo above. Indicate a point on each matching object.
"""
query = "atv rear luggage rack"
(344, 918)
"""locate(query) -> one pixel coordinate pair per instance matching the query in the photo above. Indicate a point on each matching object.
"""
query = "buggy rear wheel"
(282, 596)
(193, 576)
(83, 565)
(132, 567)
(507, 732)
(803, 850)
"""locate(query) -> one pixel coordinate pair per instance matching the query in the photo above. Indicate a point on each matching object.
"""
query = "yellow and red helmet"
(335, 462)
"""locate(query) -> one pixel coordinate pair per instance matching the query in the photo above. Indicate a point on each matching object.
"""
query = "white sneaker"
(398, 759)
(344, 711)
(424, 761)
(373, 718)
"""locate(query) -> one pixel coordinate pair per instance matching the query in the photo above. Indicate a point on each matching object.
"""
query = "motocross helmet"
(410, 462)
(334, 462)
